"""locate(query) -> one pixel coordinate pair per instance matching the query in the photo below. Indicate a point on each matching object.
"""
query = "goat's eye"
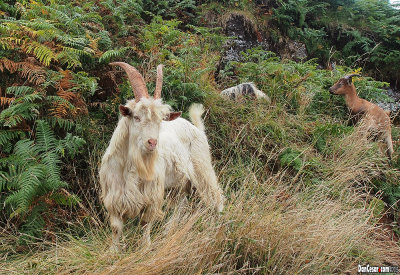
(136, 118)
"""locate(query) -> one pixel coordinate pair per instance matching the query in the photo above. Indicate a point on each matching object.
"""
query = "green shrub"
(32, 172)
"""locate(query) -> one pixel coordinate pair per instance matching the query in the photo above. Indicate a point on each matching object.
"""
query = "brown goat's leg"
(117, 225)
(389, 143)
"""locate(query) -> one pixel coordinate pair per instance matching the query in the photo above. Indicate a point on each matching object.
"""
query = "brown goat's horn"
(135, 78)
(157, 92)
(349, 76)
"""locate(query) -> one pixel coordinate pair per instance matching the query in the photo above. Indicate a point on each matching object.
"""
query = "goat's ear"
(350, 80)
(125, 111)
(173, 116)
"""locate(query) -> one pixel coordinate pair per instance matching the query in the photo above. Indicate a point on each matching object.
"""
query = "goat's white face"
(144, 118)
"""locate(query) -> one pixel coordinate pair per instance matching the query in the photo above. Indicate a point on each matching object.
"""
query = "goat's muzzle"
(151, 144)
(332, 91)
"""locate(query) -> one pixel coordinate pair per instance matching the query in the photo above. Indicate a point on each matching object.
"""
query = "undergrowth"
(307, 192)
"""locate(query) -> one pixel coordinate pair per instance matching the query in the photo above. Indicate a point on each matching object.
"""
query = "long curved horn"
(350, 76)
(157, 92)
(135, 78)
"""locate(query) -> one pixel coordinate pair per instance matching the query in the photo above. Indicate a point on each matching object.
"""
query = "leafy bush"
(170, 8)
(31, 173)
(182, 53)
(352, 33)
(42, 95)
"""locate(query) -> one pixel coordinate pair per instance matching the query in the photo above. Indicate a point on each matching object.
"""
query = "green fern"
(33, 171)
(7, 138)
(65, 124)
(24, 107)
(43, 53)
(110, 54)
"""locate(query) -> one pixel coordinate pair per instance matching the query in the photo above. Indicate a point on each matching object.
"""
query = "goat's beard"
(145, 163)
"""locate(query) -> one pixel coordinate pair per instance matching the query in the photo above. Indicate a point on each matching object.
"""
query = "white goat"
(150, 151)
(243, 90)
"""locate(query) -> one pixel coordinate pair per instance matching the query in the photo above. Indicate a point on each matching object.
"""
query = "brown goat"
(377, 120)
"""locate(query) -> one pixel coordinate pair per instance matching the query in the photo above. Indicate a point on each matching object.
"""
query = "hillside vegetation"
(307, 191)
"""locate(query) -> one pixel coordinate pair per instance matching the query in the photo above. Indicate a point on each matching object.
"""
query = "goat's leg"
(150, 214)
(117, 225)
(206, 183)
(146, 227)
(389, 145)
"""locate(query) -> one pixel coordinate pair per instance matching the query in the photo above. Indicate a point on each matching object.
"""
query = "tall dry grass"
(265, 228)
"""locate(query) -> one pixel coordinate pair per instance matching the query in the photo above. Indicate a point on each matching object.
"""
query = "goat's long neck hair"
(144, 163)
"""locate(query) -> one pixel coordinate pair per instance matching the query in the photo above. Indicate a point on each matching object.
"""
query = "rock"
(294, 50)
(394, 106)
(245, 36)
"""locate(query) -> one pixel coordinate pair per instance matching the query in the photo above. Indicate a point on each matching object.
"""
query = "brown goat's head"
(144, 114)
(343, 85)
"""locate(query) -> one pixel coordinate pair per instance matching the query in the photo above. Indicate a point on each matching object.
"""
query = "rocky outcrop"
(245, 35)
(293, 50)
(394, 106)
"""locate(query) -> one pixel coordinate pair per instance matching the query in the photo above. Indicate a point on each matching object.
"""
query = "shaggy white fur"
(135, 173)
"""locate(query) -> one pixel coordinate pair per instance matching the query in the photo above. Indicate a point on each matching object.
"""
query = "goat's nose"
(152, 142)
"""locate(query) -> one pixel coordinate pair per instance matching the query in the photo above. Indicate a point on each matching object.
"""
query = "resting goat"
(243, 90)
(377, 120)
(150, 151)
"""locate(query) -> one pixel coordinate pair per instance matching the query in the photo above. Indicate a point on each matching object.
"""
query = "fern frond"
(65, 124)
(9, 65)
(43, 53)
(71, 59)
(27, 186)
(66, 81)
(34, 223)
(22, 108)
(72, 144)
(108, 55)
(45, 138)
(3, 181)
(5, 101)
(19, 90)
(25, 149)
(8, 135)
(9, 43)
(85, 52)
(93, 44)
(46, 35)
(34, 74)
(73, 42)
(62, 107)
